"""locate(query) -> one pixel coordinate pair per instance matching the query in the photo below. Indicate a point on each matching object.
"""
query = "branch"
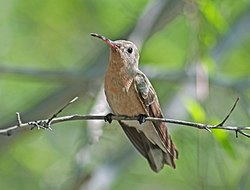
(46, 123)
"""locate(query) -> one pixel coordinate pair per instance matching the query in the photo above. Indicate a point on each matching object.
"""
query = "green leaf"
(195, 110)
(223, 139)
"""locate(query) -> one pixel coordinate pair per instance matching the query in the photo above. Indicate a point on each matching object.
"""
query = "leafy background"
(196, 53)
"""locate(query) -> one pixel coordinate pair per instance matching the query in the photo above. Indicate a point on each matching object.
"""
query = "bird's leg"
(142, 118)
(108, 117)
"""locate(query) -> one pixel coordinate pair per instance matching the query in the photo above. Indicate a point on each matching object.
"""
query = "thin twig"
(228, 115)
(46, 123)
(19, 122)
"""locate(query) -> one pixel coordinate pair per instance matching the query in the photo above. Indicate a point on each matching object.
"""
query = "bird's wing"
(149, 100)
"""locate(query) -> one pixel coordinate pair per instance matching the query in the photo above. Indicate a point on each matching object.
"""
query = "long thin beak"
(111, 43)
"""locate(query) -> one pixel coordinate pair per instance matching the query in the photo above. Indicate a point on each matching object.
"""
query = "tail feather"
(170, 157)
(152, 152)
(154, 156)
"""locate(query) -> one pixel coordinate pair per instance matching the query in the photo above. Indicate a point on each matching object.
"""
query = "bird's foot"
(108, 117)
(142, 118)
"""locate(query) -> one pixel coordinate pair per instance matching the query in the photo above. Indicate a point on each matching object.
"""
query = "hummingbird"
(129, 92)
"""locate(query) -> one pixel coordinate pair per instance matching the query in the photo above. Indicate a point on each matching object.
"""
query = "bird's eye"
(130, 50)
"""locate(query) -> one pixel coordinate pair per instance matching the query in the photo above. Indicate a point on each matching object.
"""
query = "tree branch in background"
(46, 123)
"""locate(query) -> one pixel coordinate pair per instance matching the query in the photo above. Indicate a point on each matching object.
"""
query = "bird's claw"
(108, 117)
(142, 118)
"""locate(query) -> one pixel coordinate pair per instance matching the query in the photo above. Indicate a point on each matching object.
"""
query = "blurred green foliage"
(47, 57)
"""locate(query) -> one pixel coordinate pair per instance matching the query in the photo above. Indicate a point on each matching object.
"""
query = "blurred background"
(196, 53)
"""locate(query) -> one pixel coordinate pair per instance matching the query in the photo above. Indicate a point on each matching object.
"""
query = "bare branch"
(243, 133)
(41, 123)
(46, 123)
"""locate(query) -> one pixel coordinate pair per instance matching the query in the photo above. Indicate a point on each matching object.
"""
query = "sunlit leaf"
(195, 110)
(223, 138)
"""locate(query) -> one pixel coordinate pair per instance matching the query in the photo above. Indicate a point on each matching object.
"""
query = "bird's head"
(122, 52)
